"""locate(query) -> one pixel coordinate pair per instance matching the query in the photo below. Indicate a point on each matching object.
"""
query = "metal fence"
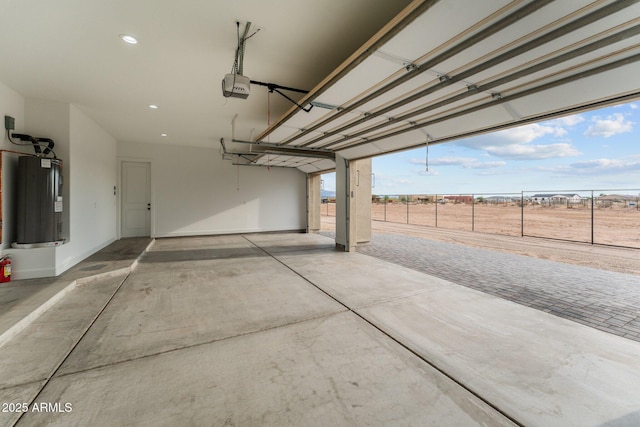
(607, 217)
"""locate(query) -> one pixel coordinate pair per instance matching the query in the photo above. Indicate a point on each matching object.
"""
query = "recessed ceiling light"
(163, 134)
(153, 106)
(128, 39)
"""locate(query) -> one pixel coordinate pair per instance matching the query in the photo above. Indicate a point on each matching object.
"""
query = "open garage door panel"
(443, 70)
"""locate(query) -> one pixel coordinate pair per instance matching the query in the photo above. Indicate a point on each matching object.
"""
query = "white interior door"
(136, 199)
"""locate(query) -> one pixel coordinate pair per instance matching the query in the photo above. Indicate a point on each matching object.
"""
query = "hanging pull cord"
(268, 124)
(426, 160)
(427, 138)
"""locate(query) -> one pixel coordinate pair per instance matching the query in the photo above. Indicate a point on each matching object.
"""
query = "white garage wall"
(11, 104)
(195, 192)
(90, 172)
(90, 177)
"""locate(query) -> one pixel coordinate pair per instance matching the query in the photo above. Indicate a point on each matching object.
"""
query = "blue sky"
(597, 150)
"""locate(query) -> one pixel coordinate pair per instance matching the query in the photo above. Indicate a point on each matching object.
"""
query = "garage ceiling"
(70, 51)
(448, 69)
(419, 71)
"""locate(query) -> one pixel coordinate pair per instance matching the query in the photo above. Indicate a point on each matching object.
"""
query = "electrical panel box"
(39, 200)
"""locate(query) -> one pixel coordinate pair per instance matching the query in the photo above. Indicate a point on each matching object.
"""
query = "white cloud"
(465, 162)
(487, 165)
(609, 126)
(451, 161)
(425, 172)
(597, 167)
(609, 165)
(559, 131)
(633, 106)
(528, 133)
(520, 135)
(415, 161)
(516, 144)
(388, 182)
(533, 152)
(567, 121)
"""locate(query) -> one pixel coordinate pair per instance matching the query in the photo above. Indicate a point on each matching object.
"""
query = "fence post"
(436, 211)
(593, 202)
(385, 208)
(522, 213)
(407, 202)
(473, 212)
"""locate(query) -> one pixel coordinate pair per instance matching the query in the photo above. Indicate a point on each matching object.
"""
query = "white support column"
(313, 202)
(362, 214)
(344, 237)
(353, 202)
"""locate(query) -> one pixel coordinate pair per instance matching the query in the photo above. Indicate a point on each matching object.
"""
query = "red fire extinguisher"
(5, 269)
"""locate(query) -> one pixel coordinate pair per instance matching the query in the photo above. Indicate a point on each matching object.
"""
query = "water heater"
(39, 201)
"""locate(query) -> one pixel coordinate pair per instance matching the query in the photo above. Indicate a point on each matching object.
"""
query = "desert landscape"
(617, 225)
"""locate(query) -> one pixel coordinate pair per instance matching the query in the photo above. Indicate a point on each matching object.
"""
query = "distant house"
(556, 199)
(423, 198)
(499, 199)
(459, 199)
(616, 199)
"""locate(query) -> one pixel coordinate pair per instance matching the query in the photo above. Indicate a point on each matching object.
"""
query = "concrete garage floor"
(280, 329)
